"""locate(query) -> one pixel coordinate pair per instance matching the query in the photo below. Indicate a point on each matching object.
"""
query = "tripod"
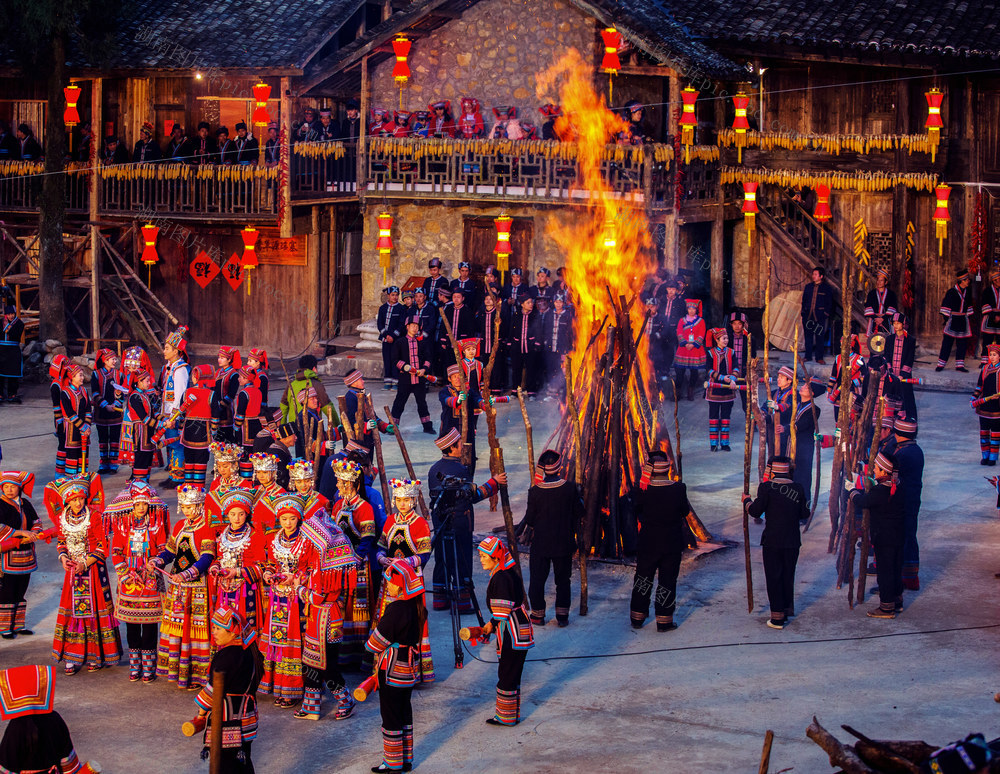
(453, 585)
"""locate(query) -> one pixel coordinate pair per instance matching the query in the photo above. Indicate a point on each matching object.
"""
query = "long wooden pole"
(527, 434)
(818, 445)
(409, 466)
(795, 395)
(377, 437)
(350, 429)
(575, 415)
(846, 399)
(496, 451)
(747, 443)
(677, 434)
(773, 439)
(866, 513)
(215, 737)
(466, 446)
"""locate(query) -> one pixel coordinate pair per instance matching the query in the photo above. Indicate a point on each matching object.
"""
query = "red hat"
(250, 376)
(505, 111)
(148, 128)
(401, 573)
(260, 355)
(25, 481)
(204, 373)
(469, 342)
(233, 354)
(492, 546)
(401, 117)
(470, 105)
(550, 110)
(102, 357)
(57, 368)
(26, 690)
(441, 103)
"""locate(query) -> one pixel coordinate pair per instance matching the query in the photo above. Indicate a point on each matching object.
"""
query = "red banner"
(203, 269)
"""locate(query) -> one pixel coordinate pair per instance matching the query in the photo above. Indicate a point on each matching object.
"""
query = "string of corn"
(845, 181)
(828, 143)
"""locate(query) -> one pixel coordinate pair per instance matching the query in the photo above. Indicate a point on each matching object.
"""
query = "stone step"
(369, 363)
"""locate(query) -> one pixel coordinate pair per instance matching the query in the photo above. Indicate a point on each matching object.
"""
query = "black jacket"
(554, 512)
(782, 503)
(662, 511)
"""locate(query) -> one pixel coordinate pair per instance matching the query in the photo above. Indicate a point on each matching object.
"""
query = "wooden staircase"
(798, 235)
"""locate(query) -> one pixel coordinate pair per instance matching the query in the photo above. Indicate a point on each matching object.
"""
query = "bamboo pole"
(466, 446)
(527, 434)
(409, 466)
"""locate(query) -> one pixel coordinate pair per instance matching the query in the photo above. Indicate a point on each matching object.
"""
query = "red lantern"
(750, 209)
(261, 93)
(149, 255)
(502, 250)
(941, 216)
(822, 213)
(688, 121)
(71, 116)
(934, 124)
(384, 242)
(249, 236)
(612, 42)
(401, 70)
(741, 101)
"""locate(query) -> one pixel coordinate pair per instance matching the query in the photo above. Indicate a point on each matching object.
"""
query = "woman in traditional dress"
(57, 373)
(257, 362)
(77, 419)
(266, 491)
(86, 632)
(139, 534)
(227, 477)
(355, 517)
(240, 661)
(239, 555)
(302, 479)
(286, 570)
(184, 648)
(331, 587)
(137, 447)
(19, 529)
(395, 643)
(505, 599)
(406, 537)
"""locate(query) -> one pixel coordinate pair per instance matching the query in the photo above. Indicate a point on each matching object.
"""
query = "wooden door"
(480, 239)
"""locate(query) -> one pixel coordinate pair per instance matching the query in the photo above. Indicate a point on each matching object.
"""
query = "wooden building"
(835, 99)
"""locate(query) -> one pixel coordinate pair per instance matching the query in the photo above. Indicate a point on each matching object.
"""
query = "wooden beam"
(285, 113)
(657, 71)
(362, 167)
(96, 122)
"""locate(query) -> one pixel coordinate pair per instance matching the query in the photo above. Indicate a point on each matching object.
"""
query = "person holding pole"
(662, 507)
(241, 665)
(395, 642)
(505, 599)
(986, 402)
(782, 504)
(721, 390)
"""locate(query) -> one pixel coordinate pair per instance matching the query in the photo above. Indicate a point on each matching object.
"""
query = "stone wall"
(424, 231)
(493, 53)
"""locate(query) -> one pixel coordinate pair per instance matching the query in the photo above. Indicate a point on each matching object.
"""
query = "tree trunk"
(52, 209)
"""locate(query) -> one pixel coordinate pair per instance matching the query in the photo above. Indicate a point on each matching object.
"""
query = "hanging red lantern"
(71, 116)
(384, 244)
(750, 209)
(688, 121)
(249, 236)
(612, 42)
(261, 93)
(934, 123)
(401, 70)
(741, 101)
(941, 216)
(822, 213)
(149, 254)
(502, 250)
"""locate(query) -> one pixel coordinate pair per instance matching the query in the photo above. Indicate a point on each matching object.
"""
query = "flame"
(609, 249)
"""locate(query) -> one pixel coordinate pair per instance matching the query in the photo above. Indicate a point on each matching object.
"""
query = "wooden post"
(215, 737)
(792, 445)
(466, 447)
(285, 151)
(767, 344)
(409, 467)
(369, 409)
(315, 276)
(577, 435)
(97, 136)
(848, 278)
(362, 167)
(866, 514)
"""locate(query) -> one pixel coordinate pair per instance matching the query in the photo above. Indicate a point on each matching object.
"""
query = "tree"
(39, 34)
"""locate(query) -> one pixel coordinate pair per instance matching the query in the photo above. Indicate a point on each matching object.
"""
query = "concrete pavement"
(599, 695)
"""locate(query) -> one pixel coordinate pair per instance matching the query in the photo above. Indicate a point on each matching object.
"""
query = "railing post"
(96, 121)
(285, 186)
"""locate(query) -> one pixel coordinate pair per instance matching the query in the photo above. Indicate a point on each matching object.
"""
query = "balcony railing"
(539, 171)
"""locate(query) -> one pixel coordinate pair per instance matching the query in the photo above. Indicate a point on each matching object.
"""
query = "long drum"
(786, 314)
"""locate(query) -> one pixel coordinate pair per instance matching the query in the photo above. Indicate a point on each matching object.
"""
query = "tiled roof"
(655, 27)
(940, 28)
(224, 34)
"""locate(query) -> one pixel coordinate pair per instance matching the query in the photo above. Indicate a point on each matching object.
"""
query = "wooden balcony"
(414, 168)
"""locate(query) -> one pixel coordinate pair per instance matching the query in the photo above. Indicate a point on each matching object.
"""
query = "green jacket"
(303, 380)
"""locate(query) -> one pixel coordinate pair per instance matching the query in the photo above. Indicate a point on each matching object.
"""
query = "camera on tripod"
(454, 495)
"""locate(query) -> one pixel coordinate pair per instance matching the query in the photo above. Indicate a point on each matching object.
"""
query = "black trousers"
(394, 705)
(388, 367)
(510, 666)
(315, 679)
(141, 636)
(889, 570)
(231, 764)
(538, 566)
(462, 528)
(815, 336)
(960, 347)
(12, 591)
(665, 565)
(403, 392)
(779, 573)
(9, 385)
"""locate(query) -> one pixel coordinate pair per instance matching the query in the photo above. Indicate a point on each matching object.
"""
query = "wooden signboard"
(272, 249)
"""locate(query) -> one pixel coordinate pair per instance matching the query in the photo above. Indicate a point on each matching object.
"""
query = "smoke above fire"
(609, 249)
